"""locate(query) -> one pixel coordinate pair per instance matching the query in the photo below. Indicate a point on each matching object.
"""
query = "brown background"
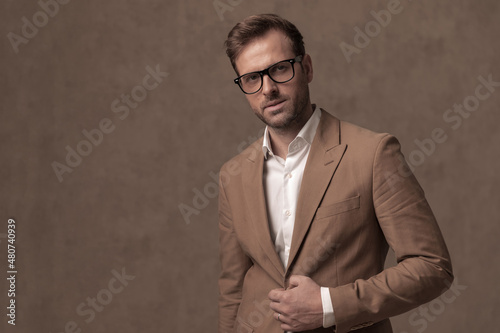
(120, 207)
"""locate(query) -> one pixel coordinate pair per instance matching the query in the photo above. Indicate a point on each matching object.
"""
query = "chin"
(280, 120)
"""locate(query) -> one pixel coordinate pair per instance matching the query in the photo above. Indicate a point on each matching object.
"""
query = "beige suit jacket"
(356, 199)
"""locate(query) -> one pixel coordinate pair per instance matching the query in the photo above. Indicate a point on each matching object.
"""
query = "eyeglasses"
(280, 72)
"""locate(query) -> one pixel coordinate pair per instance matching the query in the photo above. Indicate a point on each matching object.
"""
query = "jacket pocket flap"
(338, 207)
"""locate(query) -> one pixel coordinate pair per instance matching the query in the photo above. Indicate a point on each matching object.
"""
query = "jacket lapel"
(253, 188)
(324, 157)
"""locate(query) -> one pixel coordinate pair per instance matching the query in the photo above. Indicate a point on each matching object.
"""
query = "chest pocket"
(338, 207)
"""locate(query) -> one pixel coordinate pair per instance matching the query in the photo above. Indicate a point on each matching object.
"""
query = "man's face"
(278, 105)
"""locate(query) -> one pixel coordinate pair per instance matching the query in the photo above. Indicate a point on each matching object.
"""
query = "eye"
(251, 78)
(281, 67)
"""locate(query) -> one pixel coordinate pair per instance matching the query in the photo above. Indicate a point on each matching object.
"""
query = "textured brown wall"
(119, 207)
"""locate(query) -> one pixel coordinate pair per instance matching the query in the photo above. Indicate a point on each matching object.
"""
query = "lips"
(274, 105)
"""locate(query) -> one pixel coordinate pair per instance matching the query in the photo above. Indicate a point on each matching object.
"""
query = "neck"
(282, 137)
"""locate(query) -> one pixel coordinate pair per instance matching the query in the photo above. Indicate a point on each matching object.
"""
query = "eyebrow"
(259, 70)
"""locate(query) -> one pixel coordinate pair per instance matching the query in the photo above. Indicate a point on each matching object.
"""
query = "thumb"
(295, 280)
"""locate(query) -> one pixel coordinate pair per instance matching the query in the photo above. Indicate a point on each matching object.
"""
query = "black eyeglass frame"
(266, 71)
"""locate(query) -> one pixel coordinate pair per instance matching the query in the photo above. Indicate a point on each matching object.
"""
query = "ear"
(308, 67)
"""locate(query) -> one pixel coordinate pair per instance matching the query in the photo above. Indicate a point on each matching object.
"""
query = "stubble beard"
(293, 115)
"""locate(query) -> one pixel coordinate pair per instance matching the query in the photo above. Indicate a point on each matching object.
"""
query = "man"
(306, 213)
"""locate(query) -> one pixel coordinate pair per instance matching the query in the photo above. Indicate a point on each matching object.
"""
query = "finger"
(295, 281)
(276, 307)
(275, 294)
(281, 318)
(288, 328)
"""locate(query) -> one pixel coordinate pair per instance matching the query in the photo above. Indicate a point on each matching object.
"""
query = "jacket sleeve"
(234, 265)
(424, 267)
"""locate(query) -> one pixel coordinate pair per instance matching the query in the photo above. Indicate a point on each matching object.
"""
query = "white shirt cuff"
(328, 315)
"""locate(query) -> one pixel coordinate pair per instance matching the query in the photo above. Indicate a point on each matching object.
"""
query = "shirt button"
(288, 213)
(289, 175)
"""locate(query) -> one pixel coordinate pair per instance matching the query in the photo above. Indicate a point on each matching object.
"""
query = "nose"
(269, 87)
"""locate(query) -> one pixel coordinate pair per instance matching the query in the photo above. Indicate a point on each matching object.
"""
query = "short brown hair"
(256, 26)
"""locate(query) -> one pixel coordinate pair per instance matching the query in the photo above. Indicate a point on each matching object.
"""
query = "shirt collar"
(306, 133)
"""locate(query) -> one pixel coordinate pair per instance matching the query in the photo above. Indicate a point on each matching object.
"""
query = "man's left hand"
(299, 307)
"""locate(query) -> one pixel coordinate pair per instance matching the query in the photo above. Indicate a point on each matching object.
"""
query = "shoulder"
(355, 136)
(250, 154)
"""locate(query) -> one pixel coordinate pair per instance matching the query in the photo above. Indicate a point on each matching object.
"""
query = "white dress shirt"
(282, 179)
